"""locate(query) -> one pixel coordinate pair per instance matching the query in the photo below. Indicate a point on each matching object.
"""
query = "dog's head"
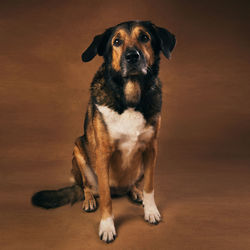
(131, 48)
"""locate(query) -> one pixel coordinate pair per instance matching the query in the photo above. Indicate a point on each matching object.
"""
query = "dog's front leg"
(103, 153)
(151, 213)
(107, 231)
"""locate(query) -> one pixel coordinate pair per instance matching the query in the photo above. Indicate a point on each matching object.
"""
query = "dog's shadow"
(135, 214)
(124, 219)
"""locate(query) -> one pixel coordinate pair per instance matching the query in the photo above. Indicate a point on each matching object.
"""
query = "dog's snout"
(132, 56)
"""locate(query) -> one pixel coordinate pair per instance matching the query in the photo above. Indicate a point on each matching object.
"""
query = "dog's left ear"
(167, 41)
(98, 46)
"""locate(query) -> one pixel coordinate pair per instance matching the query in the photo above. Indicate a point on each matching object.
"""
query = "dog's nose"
(132, 56)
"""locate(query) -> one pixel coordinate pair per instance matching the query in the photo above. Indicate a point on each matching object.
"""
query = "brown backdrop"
(202, 178)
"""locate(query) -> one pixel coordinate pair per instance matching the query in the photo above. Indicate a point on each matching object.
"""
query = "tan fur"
(104, 149)
(89, 200)
(100, 163)
(136, 194)
(105, 160)
(144, 47)
(125, 178)
(130, 40)
(132, 92)
(117, 51)
(88, 176)
(149, 159)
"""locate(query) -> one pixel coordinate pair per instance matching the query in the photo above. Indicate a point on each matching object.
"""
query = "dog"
(117, 152)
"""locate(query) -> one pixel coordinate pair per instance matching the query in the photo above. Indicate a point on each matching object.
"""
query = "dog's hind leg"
(85, 177)
(135, 194)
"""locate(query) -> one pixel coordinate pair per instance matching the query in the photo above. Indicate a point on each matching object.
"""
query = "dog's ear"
(167, 41)
(98, 46)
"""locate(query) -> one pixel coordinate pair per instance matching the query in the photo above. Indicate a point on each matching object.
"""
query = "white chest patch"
(128, 128)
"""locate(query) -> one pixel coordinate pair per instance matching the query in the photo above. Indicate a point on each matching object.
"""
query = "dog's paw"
(135, 195)
(89, 204)
(151, 213)
(107, 231)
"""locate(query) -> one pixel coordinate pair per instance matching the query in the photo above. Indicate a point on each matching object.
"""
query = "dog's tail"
(57, 198)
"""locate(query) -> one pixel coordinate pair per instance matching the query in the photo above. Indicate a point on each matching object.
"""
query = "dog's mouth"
(133, 70)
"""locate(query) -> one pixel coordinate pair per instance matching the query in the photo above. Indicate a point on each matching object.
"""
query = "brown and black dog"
(118, 148)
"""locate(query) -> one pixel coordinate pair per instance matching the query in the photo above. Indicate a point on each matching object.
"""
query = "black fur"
(98, 46)
(167, 41)
(107, 89)
(108, 84)
(57, 198)
(163, 40)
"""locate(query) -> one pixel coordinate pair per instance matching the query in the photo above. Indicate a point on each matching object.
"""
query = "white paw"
(151, 213)
(107, 230)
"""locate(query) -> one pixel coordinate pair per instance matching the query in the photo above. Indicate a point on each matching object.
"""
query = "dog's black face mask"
(131, 48)
(132, 62)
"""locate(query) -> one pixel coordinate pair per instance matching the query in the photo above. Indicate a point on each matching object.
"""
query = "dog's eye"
(143, 38)
(117, 42)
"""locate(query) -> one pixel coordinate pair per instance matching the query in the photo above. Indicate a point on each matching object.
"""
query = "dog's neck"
(142, 92)
(117, 81)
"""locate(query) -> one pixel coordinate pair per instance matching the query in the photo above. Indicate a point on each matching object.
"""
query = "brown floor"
(203, 173)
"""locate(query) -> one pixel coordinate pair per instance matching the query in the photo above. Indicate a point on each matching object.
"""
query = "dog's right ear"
(98, 46)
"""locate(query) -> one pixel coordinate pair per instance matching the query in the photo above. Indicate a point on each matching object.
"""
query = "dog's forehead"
(129, 27)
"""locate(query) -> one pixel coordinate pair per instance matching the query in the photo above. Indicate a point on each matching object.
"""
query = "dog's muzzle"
(133, 63)
(132, 56)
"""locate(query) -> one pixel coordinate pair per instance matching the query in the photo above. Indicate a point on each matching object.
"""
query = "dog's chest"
(128, 129)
